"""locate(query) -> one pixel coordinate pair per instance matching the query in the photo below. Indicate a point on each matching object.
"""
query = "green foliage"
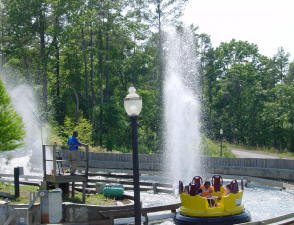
(212, 149)
(81, 57)
(83, 126)
(11, 125)
(248, 95)
(148, 124)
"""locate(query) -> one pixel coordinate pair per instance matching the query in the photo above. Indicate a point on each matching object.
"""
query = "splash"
(181, 108)
(30, 155)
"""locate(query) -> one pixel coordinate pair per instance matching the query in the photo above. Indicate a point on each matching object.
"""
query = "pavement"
(243, 153)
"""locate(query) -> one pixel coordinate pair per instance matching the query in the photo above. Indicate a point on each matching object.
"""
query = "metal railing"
(57, 159)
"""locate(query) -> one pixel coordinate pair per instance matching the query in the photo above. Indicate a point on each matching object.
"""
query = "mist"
(25, 104)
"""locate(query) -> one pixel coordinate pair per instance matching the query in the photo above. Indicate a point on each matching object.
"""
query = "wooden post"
(86, 174)
(84, 192)
(32, 195)
(154, 186)
(16, 182)
(73, 189)
(87, 161)
(44, 160)
(146, 218)
(54, 160)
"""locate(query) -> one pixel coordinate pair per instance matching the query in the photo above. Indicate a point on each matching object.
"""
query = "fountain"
(30, 155)
(182, 130)
(181, 107)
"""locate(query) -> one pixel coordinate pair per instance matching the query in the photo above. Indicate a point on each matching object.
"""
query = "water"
(262, 202)
(181, 108)
(265, 202)
(30, 155)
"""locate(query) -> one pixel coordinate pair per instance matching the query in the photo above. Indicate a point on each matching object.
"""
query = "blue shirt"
(73, 141)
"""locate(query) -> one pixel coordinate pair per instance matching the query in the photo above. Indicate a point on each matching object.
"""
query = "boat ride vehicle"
(211, 203)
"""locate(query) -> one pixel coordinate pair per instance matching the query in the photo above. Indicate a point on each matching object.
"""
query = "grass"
(97, 199)
(24, 192)
(212, 149)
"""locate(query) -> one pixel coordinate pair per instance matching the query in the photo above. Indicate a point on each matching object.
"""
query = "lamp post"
(221, 132)
(133, 106)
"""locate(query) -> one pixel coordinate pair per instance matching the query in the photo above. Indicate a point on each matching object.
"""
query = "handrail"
(273, 220)
(58, 148)
(34, 199)
(65, 146)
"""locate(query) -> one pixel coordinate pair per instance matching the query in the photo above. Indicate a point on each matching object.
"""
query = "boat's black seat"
(195, 185)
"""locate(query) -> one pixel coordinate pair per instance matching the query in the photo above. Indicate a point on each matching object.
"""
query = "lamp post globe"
(133, 103)
(133, 107)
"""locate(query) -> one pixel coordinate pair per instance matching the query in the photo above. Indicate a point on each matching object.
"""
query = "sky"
(267, 23)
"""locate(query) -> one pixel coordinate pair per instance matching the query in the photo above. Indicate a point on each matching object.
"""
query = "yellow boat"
(216, 209)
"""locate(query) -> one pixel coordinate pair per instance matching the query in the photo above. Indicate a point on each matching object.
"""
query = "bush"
(61, 134)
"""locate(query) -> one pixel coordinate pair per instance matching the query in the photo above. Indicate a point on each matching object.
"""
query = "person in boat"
(186, 189)
(228, 189)
(207, 192)
(206, 189)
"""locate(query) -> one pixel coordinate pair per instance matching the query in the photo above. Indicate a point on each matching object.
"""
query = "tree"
(281, 60)
(11, 125)
(290, 75)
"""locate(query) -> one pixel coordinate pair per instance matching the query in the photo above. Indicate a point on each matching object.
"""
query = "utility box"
(51, 206)
(99, 187)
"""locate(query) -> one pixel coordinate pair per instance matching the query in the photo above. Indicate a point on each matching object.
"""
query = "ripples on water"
(265, 202)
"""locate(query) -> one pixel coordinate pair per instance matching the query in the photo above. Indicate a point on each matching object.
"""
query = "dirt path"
(242, 153)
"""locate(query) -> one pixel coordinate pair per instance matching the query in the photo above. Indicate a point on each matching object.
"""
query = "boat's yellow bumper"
(198, 206)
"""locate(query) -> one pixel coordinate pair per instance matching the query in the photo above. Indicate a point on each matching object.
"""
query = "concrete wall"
(265, 168)
(19, 211)
(280, 169)
(72, 213)
(116, 161)
(80, 213)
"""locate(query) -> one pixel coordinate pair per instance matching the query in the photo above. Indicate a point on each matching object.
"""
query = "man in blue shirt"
(73, 144)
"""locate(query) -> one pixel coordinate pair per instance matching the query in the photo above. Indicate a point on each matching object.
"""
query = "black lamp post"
(221, 132)
(133, 106)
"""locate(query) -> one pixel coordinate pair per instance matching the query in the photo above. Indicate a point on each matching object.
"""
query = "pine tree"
(11, 125)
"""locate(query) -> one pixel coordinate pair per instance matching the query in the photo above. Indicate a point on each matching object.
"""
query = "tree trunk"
(107, 94)
(77, 104)
(43, 59)
(57, 71)
(92, 76)
(101, 88)
(57, 65)
(292, 139)
(86, 73)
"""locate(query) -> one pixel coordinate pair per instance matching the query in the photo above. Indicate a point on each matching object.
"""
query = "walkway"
(242, 153)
